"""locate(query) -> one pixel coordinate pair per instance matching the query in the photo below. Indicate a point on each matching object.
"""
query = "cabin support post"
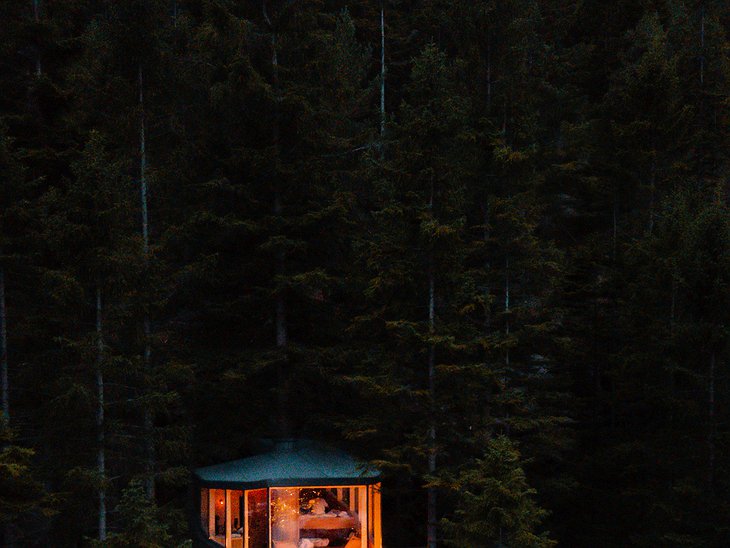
(363, 513)
(377, 526)
(268, 511)
(245, 519)
(229, 542)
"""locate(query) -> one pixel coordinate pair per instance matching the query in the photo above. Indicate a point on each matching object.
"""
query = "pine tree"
(89, 221)
(12, 198)
(495, 507)
(21, 494)
(141, 523)
(413, 259)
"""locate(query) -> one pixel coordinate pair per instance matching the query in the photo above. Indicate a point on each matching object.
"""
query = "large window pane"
(258, 518)
(285, 518)
(237, 518)
(332, 515)
(217, 516)
(306, 517)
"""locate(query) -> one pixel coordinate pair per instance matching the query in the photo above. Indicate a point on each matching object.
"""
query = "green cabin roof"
(290, 463)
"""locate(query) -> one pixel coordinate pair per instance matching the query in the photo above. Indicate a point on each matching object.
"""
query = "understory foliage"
(492, 258)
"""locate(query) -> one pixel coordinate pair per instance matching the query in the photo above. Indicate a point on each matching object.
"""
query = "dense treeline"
(482, 243)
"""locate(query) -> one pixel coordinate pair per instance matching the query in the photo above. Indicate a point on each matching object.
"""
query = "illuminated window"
(258, 518)
(217, 516)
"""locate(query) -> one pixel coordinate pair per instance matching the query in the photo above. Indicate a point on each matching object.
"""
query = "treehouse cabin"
(299, 495)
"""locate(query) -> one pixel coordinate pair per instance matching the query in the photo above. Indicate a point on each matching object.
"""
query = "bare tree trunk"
(652, 192)
(143, 168)
(702, 45)
(506, 307)
(614, 236)
(672, 329)
(281, 323)
(431, 530)
(382, 69)
(282, 335)
(487, 266)
(489, 71)
(37, 19)
(8, 528)
(711, 426)
(431, 494)
(282, 339)
(4, 348)
(148, 419)
(100, 441)
(701, 114)
(504, 117)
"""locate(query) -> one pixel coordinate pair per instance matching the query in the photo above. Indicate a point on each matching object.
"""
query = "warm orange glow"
(282, 508)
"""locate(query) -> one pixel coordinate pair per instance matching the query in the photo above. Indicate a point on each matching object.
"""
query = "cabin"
(300, 494)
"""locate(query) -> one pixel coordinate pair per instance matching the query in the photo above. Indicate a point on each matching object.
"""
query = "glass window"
(323, 516)
(238, 516)
(256, 522)
(337, 517)
(285, 518)
(217, 516)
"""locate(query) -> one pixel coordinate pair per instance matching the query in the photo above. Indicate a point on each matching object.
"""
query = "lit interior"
(346, 516)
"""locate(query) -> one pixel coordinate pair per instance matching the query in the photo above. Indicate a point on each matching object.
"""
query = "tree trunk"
(282, 340)
(701, 116)
(281, 324)
(489, 72)
(282, 335)
(711, 424)
(37, 19)
(431, 493)
(672, 331)
(431, 529)
(614, 235)
(487, 266)
(4, 348)
(148, 419)
(101, 454)
(487, 410)
(702, 45)
(382, 69)
(9, 528)
(506, 307)
(652, 191)
(143, 167)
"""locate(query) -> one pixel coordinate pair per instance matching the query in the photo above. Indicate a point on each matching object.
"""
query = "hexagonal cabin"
(299, 495)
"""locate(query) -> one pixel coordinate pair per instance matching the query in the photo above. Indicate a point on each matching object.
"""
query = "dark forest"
(483, 245)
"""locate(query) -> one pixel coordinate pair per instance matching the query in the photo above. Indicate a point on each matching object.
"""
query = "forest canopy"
(481, 244)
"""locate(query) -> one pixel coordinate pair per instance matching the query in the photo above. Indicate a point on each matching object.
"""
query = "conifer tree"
(141, 523)
(12, 198)
(414, 263)
(429, 231)
(496, 506)
(90, 221)
(21, 494)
